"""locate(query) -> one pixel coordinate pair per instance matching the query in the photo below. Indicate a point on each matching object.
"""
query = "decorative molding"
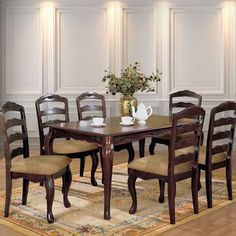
(138, 11)
(104, 49)
(23, 57)
(146, 28)
(232, 48)
(114, 21)
(218, 39)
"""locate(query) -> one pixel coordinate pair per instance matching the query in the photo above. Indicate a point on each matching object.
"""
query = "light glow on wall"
(229, 9)
(48, 23)
(47, 13)
(114, 18)
(228, 17)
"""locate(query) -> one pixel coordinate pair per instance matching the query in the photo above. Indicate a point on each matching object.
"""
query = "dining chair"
(172, 166)
(87, 110)
(218, 151)
(188, 99)
(53, 108)
(91, 104)
(19, 164)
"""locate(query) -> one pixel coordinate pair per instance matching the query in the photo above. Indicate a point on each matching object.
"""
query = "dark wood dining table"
(107, 136)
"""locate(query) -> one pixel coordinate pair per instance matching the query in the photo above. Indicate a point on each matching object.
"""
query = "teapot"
(142, 113)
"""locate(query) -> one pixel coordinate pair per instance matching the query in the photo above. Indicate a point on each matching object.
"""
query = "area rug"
(85, 216)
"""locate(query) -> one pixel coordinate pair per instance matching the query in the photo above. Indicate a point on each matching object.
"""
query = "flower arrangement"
(130, 81)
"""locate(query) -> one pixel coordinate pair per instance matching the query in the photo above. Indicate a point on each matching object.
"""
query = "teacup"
(127, 120)
(98, 120)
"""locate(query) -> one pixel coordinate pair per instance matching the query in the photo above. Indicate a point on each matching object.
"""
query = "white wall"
(65, 46)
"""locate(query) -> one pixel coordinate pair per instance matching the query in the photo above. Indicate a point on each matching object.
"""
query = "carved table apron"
(108, 136)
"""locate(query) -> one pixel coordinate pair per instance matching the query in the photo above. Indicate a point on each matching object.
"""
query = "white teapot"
(142, 113)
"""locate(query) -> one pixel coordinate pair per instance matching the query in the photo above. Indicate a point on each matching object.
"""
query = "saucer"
(98, 125)
(127, 124)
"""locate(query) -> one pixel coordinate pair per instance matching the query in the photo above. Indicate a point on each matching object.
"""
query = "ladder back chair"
(97, 108)
(175, 105)
(18, 163)
(53, 108)
(218, 151)
(86, 110)
(172, 166)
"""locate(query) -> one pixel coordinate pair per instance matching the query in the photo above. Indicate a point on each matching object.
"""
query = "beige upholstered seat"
(177, 101)
(218, 151)
(158, 164)
(202, 155)
(19, 164)
(215, 158)
(40, 165)
(179, 163)
(90, 105)
(64, 146)
(53, 108)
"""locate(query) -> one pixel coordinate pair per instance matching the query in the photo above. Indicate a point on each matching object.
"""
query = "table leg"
(107, 156)
(141, 147)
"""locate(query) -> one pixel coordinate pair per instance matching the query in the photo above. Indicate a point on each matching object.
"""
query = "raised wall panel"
(197, 56)
(82, 49)
(138, 38)
(191, 41)
(23, 72)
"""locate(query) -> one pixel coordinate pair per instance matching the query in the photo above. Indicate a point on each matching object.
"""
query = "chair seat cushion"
(157, 164)
(164, 139)
(202, 155)
(40, 165)
(215, 158)
(63, 146)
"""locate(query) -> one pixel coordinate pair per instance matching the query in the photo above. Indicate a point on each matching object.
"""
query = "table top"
(113, 127)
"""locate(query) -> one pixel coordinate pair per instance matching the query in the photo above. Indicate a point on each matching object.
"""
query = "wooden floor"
(219, 222)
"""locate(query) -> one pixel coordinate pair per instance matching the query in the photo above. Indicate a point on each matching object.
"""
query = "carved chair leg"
(82, 163)
(130, 150)
(199, 179)
(194, 186)
(100, 151)
(25, 191)
(209, 188)
(49, 185)
(8, 195)
(162, 191)
(142, 147)
(152, 147)
(67, 179)
(229, 179)
(131, 185)
(94, 168)
(171, 200)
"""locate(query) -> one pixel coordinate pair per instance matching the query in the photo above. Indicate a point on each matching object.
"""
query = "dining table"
(111, 133)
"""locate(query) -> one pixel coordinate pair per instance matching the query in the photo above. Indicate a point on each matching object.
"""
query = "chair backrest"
(50, 108)
(14, 134)
(90, 104)
(221, 130)
(191, 132)
(175, 105)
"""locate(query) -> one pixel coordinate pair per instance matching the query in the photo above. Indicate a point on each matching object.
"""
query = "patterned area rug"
(85, 216)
